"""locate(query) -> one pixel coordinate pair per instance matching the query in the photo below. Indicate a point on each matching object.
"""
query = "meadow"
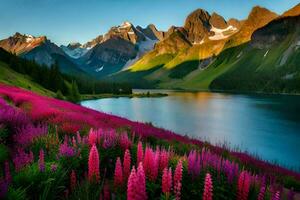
(54, 149)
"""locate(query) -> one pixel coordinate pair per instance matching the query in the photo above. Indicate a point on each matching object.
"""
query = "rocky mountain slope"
(261, 55)
(41, 50)
(119, 48)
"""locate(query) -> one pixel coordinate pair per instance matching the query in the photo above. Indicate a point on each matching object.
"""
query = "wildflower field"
(53, 149)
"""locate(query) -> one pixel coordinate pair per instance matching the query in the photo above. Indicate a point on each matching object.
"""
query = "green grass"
(10, 77)
(150, 61)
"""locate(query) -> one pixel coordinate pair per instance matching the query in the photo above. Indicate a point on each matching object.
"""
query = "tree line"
(54, 80)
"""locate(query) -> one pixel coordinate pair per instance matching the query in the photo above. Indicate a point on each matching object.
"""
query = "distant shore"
(133, 95)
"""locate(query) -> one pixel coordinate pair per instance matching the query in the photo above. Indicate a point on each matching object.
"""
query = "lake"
(264, 125)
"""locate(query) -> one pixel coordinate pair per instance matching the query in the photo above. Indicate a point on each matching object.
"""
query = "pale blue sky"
(65, 21)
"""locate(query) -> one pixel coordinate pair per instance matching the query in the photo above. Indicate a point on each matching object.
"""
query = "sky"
(65, 21)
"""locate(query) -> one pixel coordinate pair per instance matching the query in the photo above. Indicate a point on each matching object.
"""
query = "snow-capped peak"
(125, 24)
(222, 33)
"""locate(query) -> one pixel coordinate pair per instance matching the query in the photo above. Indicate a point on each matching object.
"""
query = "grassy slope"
(261, 71)
(10, 77)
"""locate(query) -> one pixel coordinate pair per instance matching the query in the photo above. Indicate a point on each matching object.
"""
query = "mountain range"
(259, 53)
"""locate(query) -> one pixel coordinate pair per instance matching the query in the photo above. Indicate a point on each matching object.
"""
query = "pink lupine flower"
(118, 178)
(141, 183)
(208, 188)
(73, 180)
(243, 186)
(92, 137)
(93, 168)
(7, 172)
(164, 160)
(131, 185)
(42, 161)
(276, 196)
(151, 163)
(167, 181)
(126, 164)
(125, 143)
(136, 186)
(261, 194)
(177, 180)
(140, 153)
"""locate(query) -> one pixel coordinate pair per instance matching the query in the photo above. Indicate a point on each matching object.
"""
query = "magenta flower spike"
(140, 153)
(167, 182)
(126, 164)
(131, 185)
(93, 167)
(141, 183)
(41, 161)
(208, 188)
(177, 180)
(118, 176)
(243, 185)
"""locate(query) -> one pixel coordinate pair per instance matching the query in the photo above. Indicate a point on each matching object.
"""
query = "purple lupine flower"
(65, 150)
(22, 159)
(53, 167)
(42, 161)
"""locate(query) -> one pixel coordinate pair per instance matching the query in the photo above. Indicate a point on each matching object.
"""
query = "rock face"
(22, 43)
(197, 25)
(295, 11)
(276, 31)
(218, 21)
(127, 32)
(151, 32)
(93, 42)
(173, 44)
(257, 18)
(109, 56)
(235, 23)
(39, 49)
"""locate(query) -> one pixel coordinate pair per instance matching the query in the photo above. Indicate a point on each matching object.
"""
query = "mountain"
(41, 50)
(181, 44)
(260, 53)
(74, 50)
(257, 18)
(119, 48)
(109, 56)
(127, 32)
(295, 11)
(151, 32)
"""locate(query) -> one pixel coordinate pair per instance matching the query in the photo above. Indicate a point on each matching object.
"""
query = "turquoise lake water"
(265, 125)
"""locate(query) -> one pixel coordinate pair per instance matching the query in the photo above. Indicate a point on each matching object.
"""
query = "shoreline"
(85, 97)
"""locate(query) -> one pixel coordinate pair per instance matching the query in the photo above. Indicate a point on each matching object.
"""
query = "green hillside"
(10, 77)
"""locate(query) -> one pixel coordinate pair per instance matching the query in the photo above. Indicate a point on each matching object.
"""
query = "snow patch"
(144, 47)
(125, 24)
(220, 33)
(266, 53)
(241, 53)
(75, 53)
(99, 69)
